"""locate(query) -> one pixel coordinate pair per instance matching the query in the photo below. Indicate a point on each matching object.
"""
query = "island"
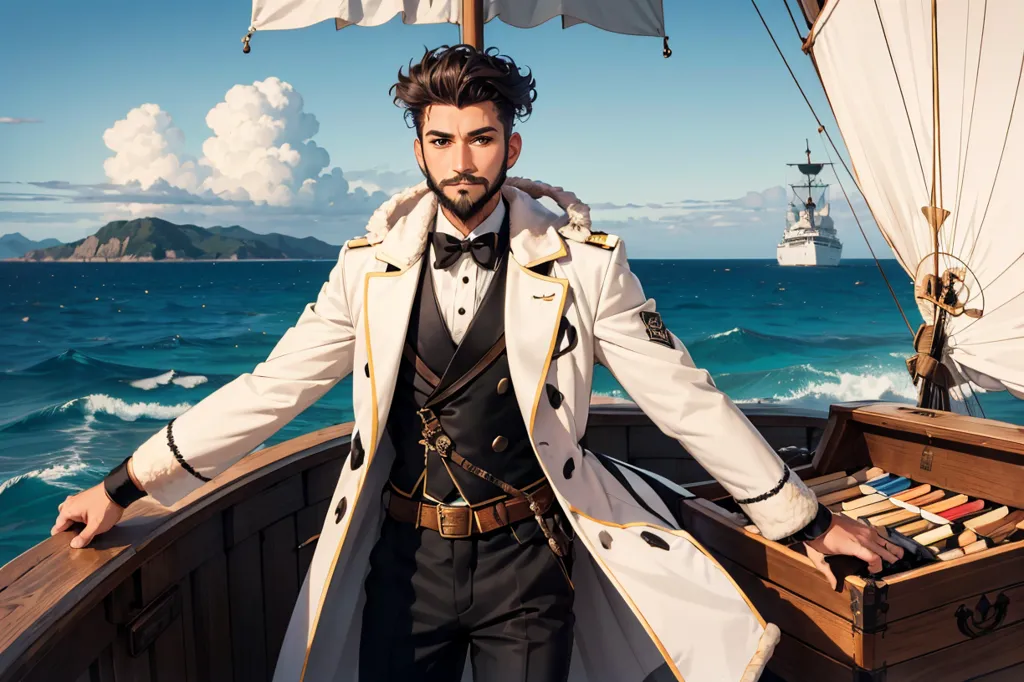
(154, 239)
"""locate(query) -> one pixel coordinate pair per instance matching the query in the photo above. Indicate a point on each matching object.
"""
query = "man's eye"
(439, 142)
(483, 138)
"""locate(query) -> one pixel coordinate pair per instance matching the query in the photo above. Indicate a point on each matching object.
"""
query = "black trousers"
(504, 597)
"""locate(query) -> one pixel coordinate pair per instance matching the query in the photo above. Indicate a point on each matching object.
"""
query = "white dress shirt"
(461, 287)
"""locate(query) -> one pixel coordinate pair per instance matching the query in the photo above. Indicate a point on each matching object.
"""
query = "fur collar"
(401, 224)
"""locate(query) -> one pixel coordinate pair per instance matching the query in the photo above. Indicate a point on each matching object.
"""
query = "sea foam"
(51, 474)
(105, 404)
(169, 377)
(847, 386)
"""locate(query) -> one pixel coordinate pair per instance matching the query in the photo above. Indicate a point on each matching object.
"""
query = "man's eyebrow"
(471, 133)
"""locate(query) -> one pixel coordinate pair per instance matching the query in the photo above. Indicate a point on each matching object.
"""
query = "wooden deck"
(203, 590)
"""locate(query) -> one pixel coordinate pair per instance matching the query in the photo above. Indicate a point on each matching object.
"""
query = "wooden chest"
(949, 621)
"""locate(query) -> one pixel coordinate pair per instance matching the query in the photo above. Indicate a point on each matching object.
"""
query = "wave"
(740, 343)
(190, 381)
(73, 368)
(91, 407)
(53, 475)
(807, 385)
(98, 404)
(73, 361)
(848, 386)
(169, 377)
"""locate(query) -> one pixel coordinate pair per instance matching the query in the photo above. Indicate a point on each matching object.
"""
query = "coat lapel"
(534, 302)
(386, 310)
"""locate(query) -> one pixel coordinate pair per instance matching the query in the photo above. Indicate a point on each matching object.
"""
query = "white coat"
(639, 607)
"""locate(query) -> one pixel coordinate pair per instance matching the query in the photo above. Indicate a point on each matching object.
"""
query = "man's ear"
(417, 150)
(515, 146)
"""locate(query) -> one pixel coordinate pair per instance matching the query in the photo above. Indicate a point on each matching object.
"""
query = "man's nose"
(463, 159)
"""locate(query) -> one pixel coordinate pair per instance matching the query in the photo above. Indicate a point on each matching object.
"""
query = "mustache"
(464, 177)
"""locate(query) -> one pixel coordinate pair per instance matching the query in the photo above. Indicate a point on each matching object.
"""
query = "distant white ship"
(810, 238)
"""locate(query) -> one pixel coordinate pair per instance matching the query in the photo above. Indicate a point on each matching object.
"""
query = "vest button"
(555, 396)
(462, 311)
(605, 538)
(339, 511)
(503, 385)
(499, 444)
(569, 467)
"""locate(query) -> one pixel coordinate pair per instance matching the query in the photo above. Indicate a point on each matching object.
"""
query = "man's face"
(463, 155)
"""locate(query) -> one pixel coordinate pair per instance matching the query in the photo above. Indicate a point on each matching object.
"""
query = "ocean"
(94, 358)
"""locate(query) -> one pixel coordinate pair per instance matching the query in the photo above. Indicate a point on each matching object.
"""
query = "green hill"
(15, 245)
(153, 239)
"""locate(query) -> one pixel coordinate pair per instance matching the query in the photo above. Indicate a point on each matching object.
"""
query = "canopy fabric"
(633, 17)
(875, 62)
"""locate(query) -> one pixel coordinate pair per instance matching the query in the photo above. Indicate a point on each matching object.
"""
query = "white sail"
(875, 61)
(634, 17)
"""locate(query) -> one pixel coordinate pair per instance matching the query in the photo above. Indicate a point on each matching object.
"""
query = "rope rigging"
(822, 129)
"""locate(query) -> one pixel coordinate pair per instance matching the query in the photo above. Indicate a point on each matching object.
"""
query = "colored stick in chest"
(963, 510)
(900, 495)
(998, 531)
(824, 485)
(911, 512)
(859, 493)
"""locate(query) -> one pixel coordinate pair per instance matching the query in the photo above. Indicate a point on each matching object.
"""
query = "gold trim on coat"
(371, 451)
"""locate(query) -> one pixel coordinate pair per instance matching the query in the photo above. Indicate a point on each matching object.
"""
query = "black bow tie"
(448, 249)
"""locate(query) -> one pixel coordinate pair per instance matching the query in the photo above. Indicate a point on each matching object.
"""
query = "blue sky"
(682, 157)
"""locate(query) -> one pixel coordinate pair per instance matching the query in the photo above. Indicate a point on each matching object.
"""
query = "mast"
(934, 390)
(809, 170)
(472, 26)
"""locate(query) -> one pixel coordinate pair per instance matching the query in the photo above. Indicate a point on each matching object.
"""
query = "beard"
(463, 207)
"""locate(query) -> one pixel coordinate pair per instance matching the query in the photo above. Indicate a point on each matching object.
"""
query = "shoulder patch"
(656, 330)
(357, 243)
(602, 239)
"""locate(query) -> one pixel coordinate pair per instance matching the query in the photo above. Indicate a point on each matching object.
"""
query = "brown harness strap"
(476, 370)
(425, 372)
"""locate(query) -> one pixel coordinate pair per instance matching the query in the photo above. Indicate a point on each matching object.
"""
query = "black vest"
(482, 419)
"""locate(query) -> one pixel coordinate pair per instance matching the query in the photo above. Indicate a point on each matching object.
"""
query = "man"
(473, 317)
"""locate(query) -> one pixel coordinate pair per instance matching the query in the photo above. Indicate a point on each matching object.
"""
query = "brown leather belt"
(455, 522)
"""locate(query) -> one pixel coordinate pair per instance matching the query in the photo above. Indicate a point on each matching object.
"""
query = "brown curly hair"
(461, 75)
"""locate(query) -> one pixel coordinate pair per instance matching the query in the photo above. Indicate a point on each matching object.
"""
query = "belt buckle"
(448, 526)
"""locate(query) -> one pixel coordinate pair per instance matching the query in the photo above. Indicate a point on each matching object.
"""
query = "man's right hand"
(93, 508)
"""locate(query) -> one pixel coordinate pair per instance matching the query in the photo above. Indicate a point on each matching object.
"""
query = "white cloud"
(261, 154)
(382, 179)
(771, 198)
(262, 149)
(148, 148)
(12, 120)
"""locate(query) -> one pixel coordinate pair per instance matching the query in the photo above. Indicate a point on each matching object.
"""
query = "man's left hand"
(853, 538)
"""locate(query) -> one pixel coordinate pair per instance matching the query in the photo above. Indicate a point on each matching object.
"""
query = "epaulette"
(357, 243)
(602, 239)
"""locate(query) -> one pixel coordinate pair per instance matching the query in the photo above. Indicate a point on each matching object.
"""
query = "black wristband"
(821, 522)
(120, 487)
